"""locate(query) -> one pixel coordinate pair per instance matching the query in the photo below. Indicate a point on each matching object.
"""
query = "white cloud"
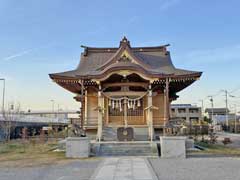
(166, 4)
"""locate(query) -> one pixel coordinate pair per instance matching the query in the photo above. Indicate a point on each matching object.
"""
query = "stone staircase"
(125, 149)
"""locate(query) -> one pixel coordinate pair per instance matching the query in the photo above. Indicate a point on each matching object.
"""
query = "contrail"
(17, 55)
(8, 58)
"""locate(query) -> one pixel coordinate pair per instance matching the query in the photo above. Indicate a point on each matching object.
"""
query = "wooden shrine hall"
(125, 88)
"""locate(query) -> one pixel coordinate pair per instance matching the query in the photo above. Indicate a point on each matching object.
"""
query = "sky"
(41, 37)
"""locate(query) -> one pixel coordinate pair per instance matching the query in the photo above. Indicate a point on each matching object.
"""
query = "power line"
(236, 89)
(214, 95)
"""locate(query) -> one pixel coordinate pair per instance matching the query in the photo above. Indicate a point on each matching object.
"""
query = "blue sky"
(41, 37)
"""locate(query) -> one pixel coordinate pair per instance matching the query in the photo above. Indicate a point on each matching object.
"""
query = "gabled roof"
(152, 61)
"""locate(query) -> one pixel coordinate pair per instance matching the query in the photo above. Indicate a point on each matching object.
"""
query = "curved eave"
(142, 71)
(178, 82)
(181, 82)
(59, 76)
(139, 69)
(69, 83)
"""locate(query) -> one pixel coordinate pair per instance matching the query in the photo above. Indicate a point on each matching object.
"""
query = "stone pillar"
(150, 114)
(100, 114)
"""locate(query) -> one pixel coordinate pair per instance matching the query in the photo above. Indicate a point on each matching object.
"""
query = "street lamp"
(3, 98)
(52, 109)
(52, 105)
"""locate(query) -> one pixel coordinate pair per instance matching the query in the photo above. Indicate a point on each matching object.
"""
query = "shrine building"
(125, 87)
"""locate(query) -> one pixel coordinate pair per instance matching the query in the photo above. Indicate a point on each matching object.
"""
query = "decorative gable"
(126, 57)
(124, 54)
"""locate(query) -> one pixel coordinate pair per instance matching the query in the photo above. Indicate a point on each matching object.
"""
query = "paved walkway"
(197, 168)
(124, 168)
(235, 138)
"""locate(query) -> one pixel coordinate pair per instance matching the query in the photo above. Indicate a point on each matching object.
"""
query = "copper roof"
(153, 61)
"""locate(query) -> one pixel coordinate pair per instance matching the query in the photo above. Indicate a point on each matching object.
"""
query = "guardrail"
(34, 119)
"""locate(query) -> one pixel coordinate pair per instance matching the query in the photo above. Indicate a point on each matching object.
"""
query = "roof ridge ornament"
(124, 42)
(85, 53)
(124, 58)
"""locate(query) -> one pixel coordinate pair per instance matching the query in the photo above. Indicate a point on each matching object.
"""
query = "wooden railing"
(131, 120)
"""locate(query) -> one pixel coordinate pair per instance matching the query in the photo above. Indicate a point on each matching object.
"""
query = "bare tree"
(8, 120)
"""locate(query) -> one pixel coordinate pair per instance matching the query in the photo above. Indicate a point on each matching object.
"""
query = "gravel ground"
(197, 168)
(76, 169)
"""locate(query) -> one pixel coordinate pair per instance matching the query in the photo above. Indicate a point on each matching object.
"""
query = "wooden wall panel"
(91, 108)
(158, 114)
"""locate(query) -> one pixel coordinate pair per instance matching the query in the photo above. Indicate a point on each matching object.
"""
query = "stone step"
(126, 149)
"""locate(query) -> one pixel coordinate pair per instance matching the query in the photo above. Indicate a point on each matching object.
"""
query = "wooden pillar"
(150, 113)
(85, 108)
(107, 111)
(166, 103)
(125, 113)
(82, 108)
(100, 114)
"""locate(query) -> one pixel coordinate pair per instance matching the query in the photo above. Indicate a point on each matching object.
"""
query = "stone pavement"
(124, 168)
(197, 168)
(235, 138)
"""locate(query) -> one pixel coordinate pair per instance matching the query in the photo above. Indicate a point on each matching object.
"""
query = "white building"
(189, 113)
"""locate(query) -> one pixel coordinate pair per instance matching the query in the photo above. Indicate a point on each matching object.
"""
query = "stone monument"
(173, 147)
(77, 147)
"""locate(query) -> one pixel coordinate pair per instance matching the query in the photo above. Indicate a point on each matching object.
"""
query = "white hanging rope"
(122, 98)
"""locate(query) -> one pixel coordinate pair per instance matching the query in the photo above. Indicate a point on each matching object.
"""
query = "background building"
(190, 113)
(216, 111)
(35, 121)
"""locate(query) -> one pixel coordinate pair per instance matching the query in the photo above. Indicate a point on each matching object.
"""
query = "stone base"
(173, 147)
(189, 144)
(77, 147)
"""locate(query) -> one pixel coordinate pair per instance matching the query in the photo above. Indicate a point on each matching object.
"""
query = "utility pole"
(202, 106)
(200, 122)
(235, 112)
(226, 100)
(235, 118)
